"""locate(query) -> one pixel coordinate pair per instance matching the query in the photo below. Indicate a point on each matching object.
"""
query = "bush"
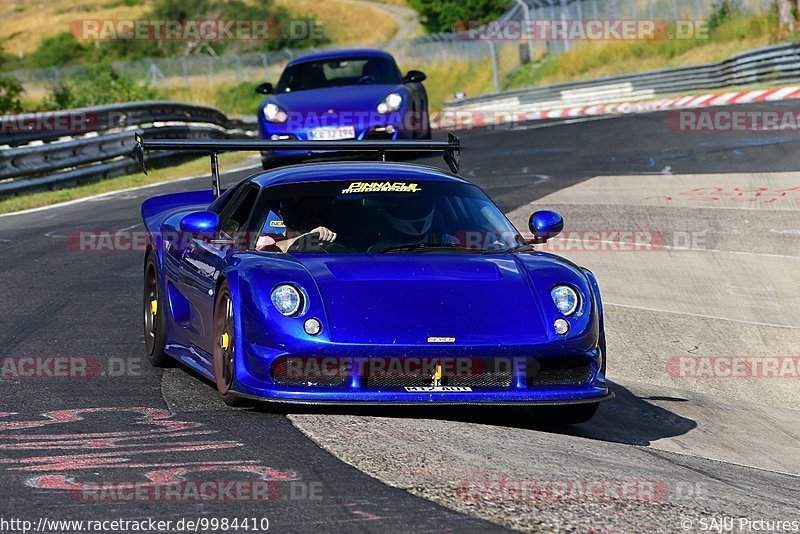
(10, 91)
(97, 85)
(452, 15)
(724, 11)
(60, 49)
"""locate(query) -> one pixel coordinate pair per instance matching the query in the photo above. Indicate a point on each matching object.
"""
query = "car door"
(204, 260)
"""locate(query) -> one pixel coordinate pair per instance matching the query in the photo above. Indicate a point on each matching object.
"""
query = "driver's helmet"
(290, 212)
(411, 216)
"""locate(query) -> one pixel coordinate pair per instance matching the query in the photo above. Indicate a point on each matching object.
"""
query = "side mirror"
(415, 76)
(265, 89)
(545, 225)
(201, 223)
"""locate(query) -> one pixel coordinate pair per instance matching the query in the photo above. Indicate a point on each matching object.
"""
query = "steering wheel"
(366, 79)
(307, 243)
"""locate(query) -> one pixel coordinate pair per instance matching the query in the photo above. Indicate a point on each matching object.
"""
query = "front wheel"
(155, 321)
(224, 346)
(571, 414)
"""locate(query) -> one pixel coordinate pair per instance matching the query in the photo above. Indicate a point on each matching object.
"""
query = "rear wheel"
(224, 346)
(565, 415)
(155, 322)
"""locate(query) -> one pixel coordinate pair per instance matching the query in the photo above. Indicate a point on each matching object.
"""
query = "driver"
(302, 218)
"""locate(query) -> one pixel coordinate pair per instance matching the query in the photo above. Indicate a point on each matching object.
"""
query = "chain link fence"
(493, 59)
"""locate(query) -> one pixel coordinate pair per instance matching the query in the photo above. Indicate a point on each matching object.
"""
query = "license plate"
(332, 134)
(438, 389)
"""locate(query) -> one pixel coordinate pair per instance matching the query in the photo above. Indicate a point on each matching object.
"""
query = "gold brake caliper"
(154, 306)
(224, 341)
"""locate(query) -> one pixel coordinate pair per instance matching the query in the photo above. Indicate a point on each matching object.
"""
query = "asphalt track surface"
(714, 448)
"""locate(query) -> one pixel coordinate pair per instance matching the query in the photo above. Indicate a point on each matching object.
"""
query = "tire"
(224, 347)
(155, 317)
(572, 414)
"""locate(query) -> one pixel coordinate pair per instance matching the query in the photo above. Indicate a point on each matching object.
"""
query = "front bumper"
(532, 375)
(375, 129)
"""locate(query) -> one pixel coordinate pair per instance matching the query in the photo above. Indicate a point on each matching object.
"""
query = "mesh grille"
(559, 371)
(311, 372)
(475, 373)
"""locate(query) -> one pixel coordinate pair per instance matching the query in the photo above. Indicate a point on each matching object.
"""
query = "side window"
(224, 201)
(235, 215)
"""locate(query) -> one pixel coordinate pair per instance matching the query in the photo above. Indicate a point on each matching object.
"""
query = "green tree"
(10, 89)
(452, 15)
(60, 49)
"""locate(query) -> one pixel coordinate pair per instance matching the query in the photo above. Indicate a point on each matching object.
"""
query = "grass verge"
(600, 59)
(194, 167)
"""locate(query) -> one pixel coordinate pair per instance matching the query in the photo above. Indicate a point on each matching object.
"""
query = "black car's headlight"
(566, 299)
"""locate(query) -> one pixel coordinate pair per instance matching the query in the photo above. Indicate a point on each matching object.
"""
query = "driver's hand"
(326, 236)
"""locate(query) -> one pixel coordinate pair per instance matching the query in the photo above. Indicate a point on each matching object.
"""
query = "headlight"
(390, 103)
(566, 299)
(274, 114)
(287, 299)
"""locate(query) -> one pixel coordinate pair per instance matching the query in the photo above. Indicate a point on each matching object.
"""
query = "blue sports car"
(368, 282)
(341, 95)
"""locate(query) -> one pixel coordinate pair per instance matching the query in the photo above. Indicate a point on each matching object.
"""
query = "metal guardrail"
(62, 148)
(767, 65)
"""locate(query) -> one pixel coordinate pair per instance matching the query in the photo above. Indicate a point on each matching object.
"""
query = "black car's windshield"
(382, 217)
(338, 72)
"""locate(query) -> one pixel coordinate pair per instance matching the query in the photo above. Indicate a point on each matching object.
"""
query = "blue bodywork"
(489, 306)
(347, 105)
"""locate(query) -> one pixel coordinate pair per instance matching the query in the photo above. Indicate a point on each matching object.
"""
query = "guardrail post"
(239, 72)
(185, 70)
(554, 42)
(526, 10)
(495, 72)
(265, 62)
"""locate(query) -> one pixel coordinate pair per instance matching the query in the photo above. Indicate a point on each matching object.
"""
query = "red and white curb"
(464, 119)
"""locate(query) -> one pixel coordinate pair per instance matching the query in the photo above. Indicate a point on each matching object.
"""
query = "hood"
(340, 99)
(408, 298)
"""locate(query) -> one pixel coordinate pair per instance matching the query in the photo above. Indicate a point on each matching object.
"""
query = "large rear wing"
(450, 149)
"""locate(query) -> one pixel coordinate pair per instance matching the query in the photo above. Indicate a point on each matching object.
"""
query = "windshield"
(398, 216)
(338, 72)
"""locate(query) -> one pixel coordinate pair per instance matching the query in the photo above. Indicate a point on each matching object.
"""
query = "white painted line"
(645, 308)
(723, 99)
